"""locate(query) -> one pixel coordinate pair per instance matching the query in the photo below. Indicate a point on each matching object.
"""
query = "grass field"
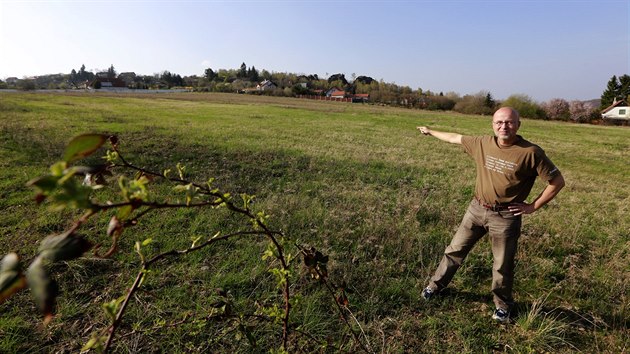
(357, 182)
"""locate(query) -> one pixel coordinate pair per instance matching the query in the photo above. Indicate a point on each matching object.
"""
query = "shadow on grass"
(577, 319)
(253, 171)
(465, 296)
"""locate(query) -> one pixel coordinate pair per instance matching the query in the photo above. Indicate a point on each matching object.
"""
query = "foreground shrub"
(62, 189)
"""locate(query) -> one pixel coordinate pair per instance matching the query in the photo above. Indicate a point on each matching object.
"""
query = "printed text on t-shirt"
(499, 165)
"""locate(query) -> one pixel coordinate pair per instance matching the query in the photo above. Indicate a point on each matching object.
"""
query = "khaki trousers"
(503, 229)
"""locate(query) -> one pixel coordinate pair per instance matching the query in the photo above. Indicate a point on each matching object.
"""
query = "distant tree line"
(246, 79)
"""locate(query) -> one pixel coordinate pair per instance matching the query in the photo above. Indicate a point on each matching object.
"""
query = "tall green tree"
(111, 72)
(612, 91)
(624, 87)
(82, 75)
(242, 72)
(210, 74)
(169, 79)
(252, 74)
(265, 75)
(489, 101)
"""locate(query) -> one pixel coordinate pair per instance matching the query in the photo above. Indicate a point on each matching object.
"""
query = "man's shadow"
(588, 321)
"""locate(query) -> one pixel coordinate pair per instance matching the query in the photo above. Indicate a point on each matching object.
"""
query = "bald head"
(505, 112)
(505, 123)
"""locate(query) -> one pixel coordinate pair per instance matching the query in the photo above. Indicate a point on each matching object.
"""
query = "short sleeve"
(544, 167)
(470, 143)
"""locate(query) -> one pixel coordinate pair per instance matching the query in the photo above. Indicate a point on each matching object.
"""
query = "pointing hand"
(424, 130)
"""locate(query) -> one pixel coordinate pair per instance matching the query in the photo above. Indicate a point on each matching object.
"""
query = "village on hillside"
(612, 108)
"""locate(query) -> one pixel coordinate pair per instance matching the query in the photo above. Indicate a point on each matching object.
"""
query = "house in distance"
(619, 110)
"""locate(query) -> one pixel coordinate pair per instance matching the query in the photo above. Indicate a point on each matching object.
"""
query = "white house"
(266, 85)
(618, 110)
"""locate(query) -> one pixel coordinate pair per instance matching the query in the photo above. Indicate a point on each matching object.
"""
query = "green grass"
(357, 182)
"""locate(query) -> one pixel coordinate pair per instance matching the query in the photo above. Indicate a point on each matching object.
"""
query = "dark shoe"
(501, 315)
(428, 293)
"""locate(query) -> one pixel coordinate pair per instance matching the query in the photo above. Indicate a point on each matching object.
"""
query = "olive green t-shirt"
(507, 174)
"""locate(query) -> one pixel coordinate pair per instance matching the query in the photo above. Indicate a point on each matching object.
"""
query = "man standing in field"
(507, 166)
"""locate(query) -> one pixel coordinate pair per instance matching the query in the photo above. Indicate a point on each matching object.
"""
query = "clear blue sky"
(541, 48)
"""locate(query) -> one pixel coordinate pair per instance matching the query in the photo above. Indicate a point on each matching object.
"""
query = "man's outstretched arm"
(452, 138)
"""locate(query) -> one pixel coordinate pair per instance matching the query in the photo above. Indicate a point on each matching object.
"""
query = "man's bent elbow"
(558, 182)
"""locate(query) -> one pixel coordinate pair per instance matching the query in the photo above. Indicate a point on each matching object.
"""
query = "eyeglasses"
(500, 123)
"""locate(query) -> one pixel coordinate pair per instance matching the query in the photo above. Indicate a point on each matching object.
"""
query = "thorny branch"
(342, 310)
(145, 267)
(221, 199)
(70, 245)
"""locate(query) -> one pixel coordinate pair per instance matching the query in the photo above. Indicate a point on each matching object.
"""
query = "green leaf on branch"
(281, 275)
(43, 288)
(270, 252)
(124, 212)
(63, 247)
(259, 220)
(97, 342)
(111, 156)
(45, 184)
(135, 189)
(273, 312)
(82, 146)
(72, 195)
(111, 308)
(138, 188)
(144, 276)
(138, 249)
(195, 241)
(190, 189)
(181, 169)
(11, 278)
(65, 191)
(247, 200)
(267, 254)
(58, 168)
